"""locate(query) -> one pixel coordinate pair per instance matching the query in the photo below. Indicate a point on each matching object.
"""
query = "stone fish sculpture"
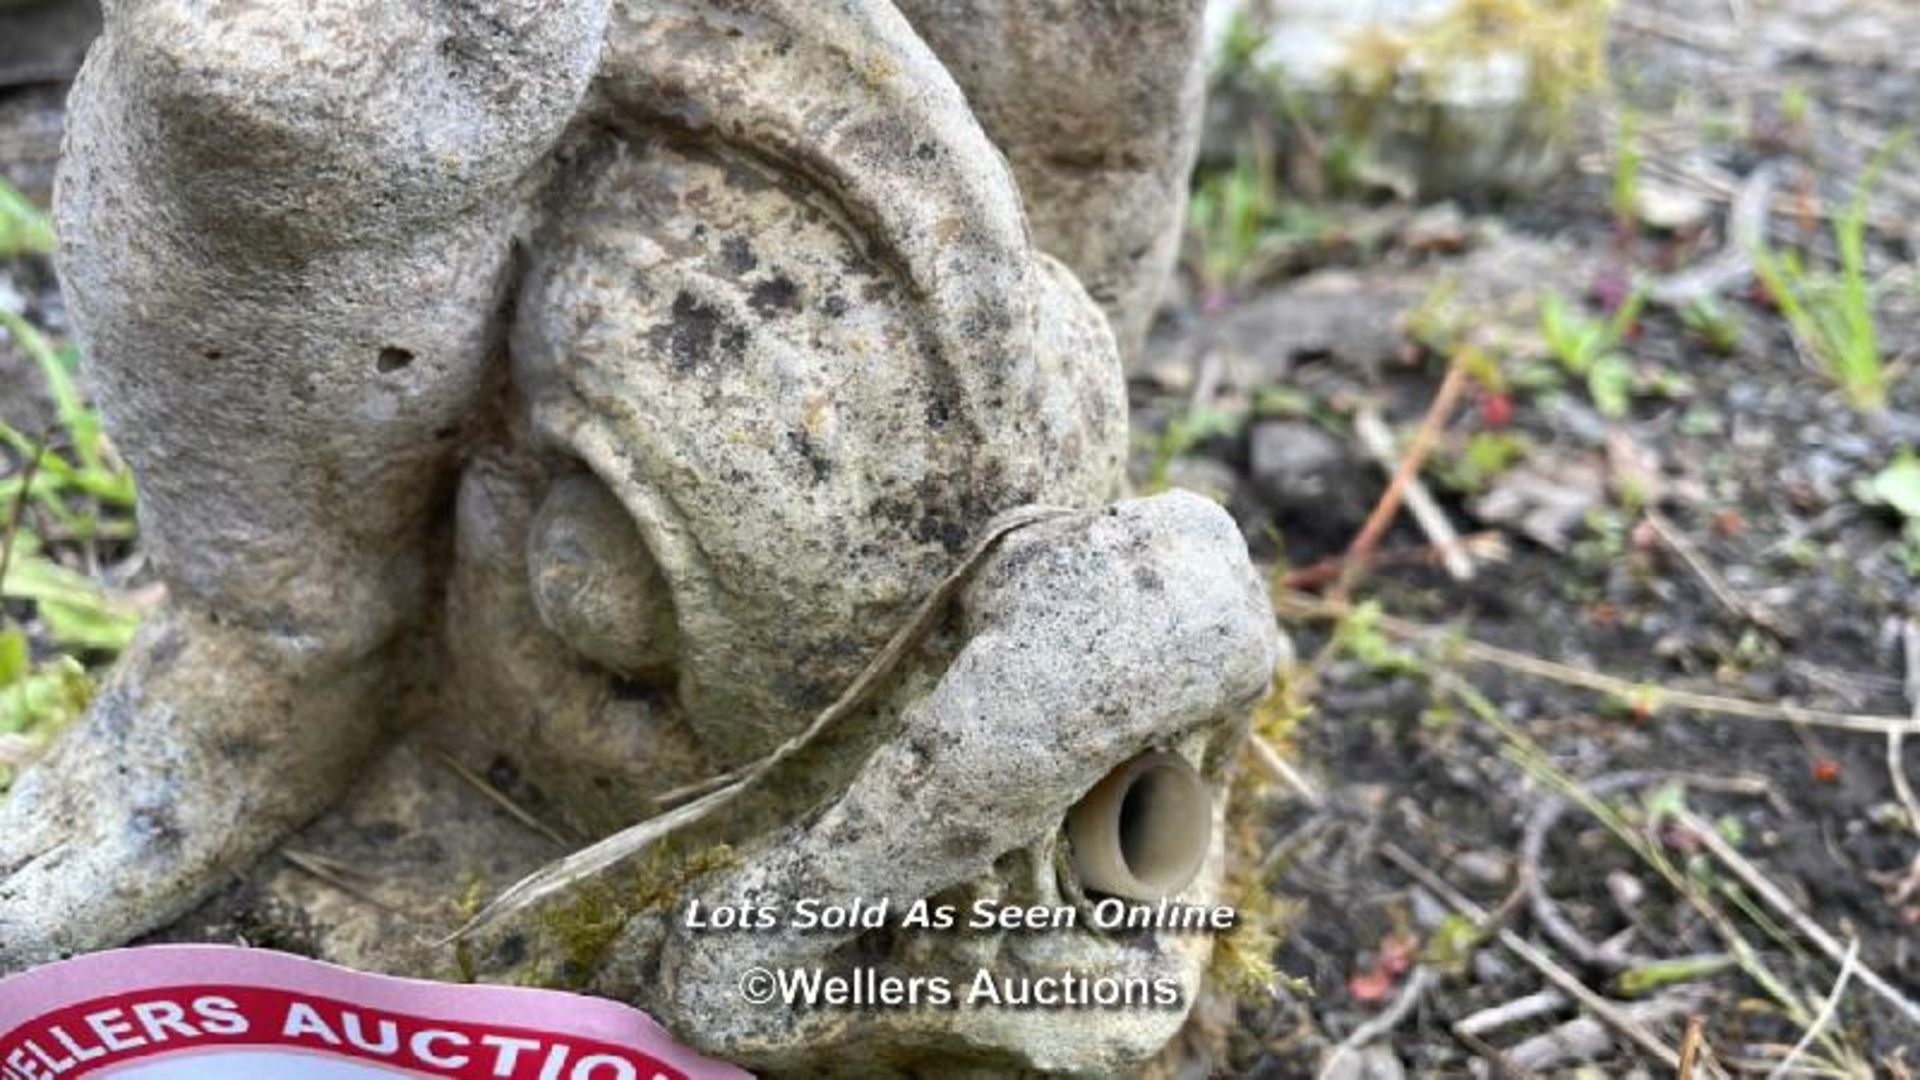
(564, 402)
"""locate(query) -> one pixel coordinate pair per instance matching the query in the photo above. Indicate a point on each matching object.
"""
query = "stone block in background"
(44, 40)
(1431, 98)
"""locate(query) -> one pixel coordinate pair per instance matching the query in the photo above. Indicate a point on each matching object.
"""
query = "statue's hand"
(1090, 640)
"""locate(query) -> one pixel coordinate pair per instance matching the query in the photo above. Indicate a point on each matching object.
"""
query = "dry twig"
(1300, 605)
(1603, 1010)
(1896, 760)
(1783, 905)
(1519, 1010)
(1438, 414)
(1690, 1046)
(1377, 439)
(1746, 230)
(1489, 546)
(1585, 1038)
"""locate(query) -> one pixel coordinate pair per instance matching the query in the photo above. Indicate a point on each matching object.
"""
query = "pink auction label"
(194, 1012)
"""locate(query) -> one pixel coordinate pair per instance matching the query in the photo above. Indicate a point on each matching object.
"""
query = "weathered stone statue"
(562, 402)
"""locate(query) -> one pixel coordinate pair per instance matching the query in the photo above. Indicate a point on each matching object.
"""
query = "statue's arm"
(286, 238)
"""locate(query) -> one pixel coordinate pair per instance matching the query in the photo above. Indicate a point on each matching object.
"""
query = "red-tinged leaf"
(1370, 987)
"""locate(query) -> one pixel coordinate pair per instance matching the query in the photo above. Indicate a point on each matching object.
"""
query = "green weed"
(1831, 313)
(1485, 457)
(1234, 214)
(1626, 174)
(25, 229)
(73, 493)
(1897, 487)
(1707, 319)
(1184, 432)
(1590, 348)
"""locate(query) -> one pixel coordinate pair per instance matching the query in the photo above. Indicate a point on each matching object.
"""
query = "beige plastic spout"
(1142, 833)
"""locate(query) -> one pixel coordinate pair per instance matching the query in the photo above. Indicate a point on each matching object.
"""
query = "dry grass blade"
(1772, 895)
(1738, 606)
(498, 798)
(1281, 769)
(1896, 759)
(336, 875)
(623, 845)
(1603, 1010)
(1828, 1010)
(1302, 606)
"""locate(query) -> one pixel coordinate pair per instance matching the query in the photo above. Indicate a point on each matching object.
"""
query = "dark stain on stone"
(967, 844)
(738, 255)
(239, 749)
(161, 657)
(157, 828)
(818, 462)
(835, 305)
(645, 692)
(1148, 579)
(502, 773)
(511, 952)
(939, 411)
(384, 833)
(775, 296)
(691, 334)
(743, 179)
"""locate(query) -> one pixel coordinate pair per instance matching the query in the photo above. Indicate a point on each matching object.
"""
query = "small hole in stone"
(392, 360)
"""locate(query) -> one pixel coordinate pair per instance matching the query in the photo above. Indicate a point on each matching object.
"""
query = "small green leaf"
(1610, 384)
(1898, 486)
(51, 698)
(25, 229)
(1658, 974)
(16, 659)
(78, 612)
(1451, 947)
(1665, 802)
